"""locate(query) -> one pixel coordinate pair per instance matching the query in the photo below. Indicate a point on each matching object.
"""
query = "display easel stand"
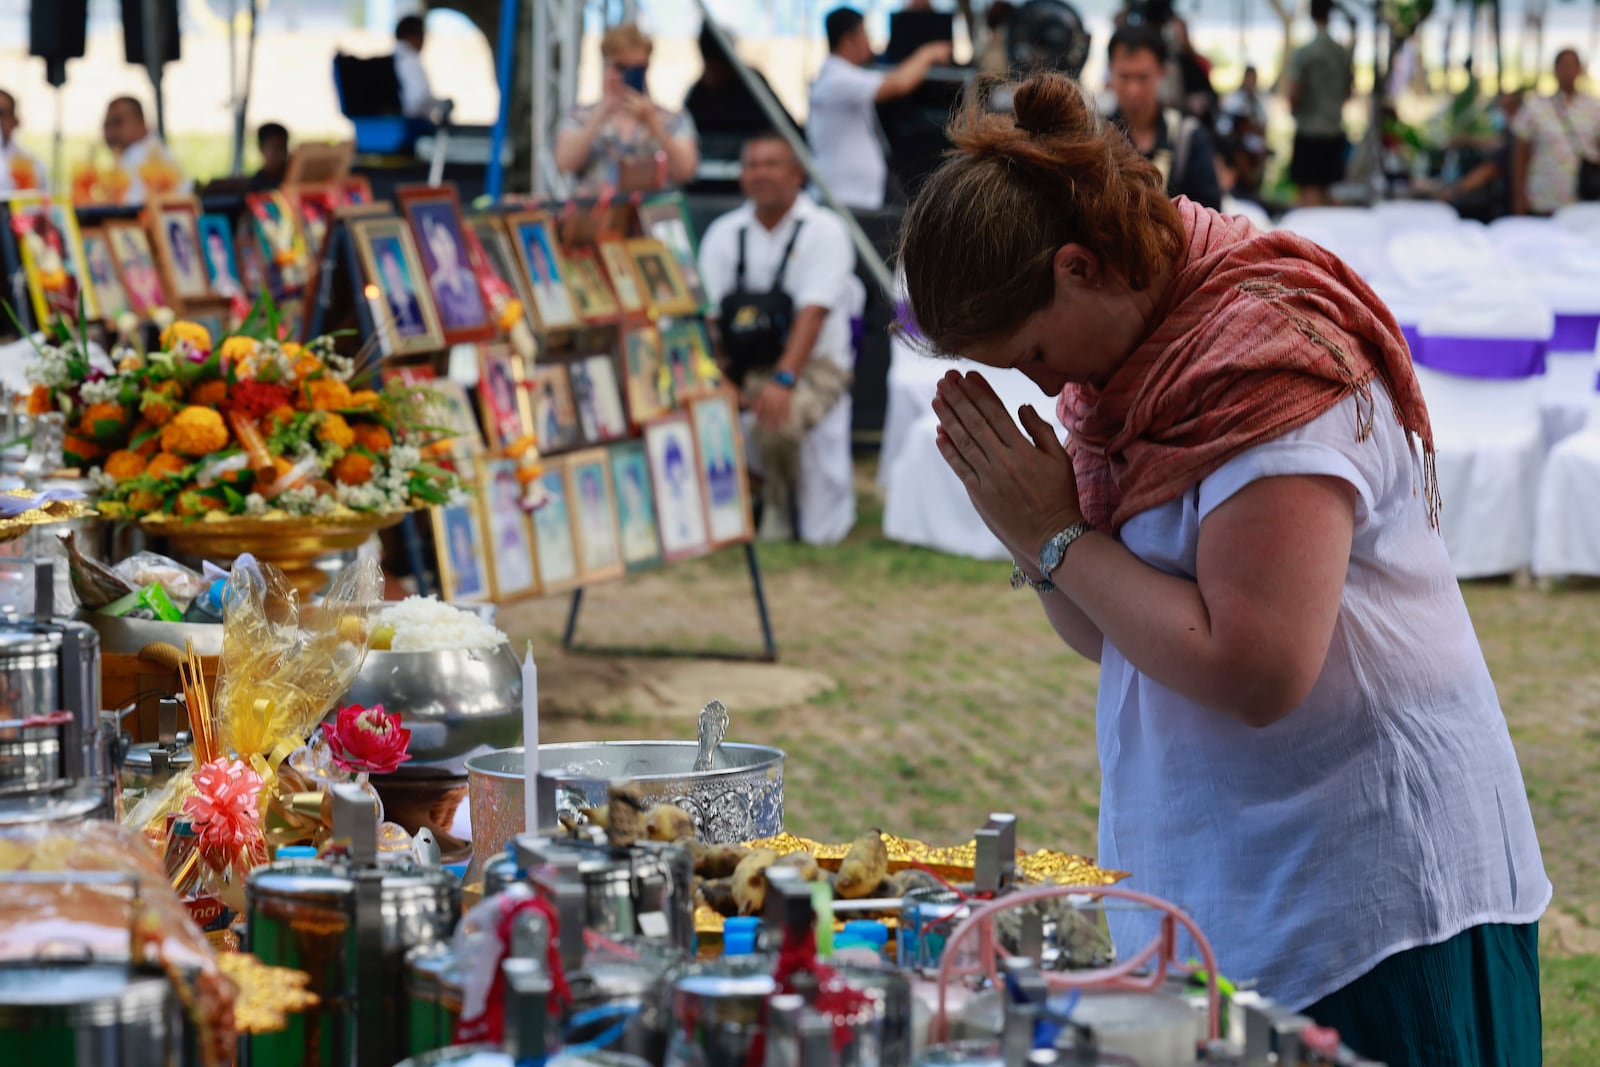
(767, 654)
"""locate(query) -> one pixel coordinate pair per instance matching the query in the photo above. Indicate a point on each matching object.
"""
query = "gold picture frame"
(396, 291)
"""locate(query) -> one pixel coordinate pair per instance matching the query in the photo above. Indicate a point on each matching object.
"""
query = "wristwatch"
(1050, 557)
(784, 378)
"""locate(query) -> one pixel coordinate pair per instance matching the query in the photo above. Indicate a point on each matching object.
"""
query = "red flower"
(254, 399)
(367, 740)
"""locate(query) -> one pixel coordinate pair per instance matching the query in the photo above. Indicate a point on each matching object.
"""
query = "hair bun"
(1050, 104)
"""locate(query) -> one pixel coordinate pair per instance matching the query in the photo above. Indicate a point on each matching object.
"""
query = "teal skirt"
(1472, 1001)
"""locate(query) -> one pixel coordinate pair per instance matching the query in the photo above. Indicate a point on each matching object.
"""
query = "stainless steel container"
(718, 1011)
(499, 876)
(633, 985)
(349, 926)
(31, 756)
(62, 803)
(150, 764)
(49, 665)
(645, 891)
(899, 1031)
(91, 1015)
(433, 997)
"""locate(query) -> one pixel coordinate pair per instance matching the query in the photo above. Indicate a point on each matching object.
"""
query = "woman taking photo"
(1299, 739)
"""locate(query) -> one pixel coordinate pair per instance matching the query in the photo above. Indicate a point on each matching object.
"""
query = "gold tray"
(55, 511)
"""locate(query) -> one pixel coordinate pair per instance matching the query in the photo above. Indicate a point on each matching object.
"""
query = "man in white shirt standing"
(416, 92)
(147, 168)
(843, 123)
(20, 170)
(781, 271)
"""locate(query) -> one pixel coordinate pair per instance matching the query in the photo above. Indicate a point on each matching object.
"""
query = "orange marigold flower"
(209, 394)
(236, 350)
(160, 402)
(81, 447)
(123, 465)
(352, 469)
(151, 443)
(307, 366)
(166, 465)
(328, 394)
(335, 431)
(278, 417)
(41, 400)
(198, 337)
(195, 431)
(364, 400)
(103, 419)
(143, 502)
(281, 466)
(374, 438)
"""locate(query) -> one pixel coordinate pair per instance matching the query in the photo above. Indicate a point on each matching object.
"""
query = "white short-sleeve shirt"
(1386, 812)
(843, 132)
(820, 271)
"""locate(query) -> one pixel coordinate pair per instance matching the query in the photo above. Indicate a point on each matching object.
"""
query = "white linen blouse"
(1387, 811)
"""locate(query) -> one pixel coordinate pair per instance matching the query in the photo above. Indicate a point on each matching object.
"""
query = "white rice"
(427, 624)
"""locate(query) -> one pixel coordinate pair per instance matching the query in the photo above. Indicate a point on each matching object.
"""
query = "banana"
(804, 862)
(626, 822)
(716, 861)
(865, 866)
(668, 822)
(719, 897)
(750, 881)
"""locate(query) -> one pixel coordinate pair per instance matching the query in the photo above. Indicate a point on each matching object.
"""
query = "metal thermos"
(86, 1014)
(347, 922)
(643, 891)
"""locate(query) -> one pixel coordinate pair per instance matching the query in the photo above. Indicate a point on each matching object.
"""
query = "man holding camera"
(781, 271)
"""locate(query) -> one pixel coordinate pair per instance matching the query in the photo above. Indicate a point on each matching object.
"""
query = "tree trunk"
(1285, 10)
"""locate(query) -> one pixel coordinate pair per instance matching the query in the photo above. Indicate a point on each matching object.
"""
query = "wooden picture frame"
(104, 278)
(219, 256)
(597, 394)
(720, 462)
(136, 267)
(554, 539)
(465, 441)
(661, 282)
(53, 263)
(675, 481)
(314, 206)
(459, 550)
(402, 307)
(215, 315)
(354, 189)
(283, 247)
(636, 506)
(513, 563)
(507, 408)
(551, 303)
(623, 275)
(686, 349)
(174, 224)
(586, 279)
(439, 228)
(642, 363)
(313, 162)
(595, 527)
(555, 416)
(502, 259)
(666, 218)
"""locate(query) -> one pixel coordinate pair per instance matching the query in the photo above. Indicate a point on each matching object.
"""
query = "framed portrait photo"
(218, 255)
(587, 281)
(102, 269)
(624, 276)
(690, 369)
(174, 222)
(451, 417)
(314, 206)
(136, 267)
(53, 259)
(501, 258)
(402, 308)
(642, 363)
(440, 232)
(461, 557)
(720, 448)
(666, 218)
(552, 532)
(636, 506)
(594, 516)
(597, 394)
(680, 505)
(552, 303)
(314, 162)
(661, 281)
(507, 409)
(277, 231)
(510, 532)
(555, 417)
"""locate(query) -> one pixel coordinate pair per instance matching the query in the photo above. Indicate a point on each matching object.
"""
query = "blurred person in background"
(1179, 145)
(20, 170)
(1230, 155)
(626, 140)
(1244, 103)
(273, 141)
(145, 164)
(1555, 135)
(843, 126)
(994, 58)
(416, 92)
(1189, 73)
(720, 104)
(1319, 80)
(1483, 192)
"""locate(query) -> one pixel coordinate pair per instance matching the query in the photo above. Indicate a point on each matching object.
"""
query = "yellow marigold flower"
(123, 465)
(81, 447)
(160, 402)
(374, 438)
(328, 394)
(308, 367)
(150, 445)
(335, 431)
(510, 315)
(41, 400)
(103, 420)
(143, 502)
(195, 431)
(209, 394)
(165, 465)
(364, 399)
(352, 469)
(277, 417)
(197, 336)
(237, 350)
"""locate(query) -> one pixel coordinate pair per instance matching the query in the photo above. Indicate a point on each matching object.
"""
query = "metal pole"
(154, 53)
(506, 63)
(233, 88)
(876, 267)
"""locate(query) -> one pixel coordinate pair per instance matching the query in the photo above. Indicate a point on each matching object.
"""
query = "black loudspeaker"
(57, 33)
(133, 30)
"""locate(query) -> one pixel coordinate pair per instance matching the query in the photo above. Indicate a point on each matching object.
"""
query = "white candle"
(530, 741)
(375, 306)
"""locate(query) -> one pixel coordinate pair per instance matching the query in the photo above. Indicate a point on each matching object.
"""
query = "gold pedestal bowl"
(293, 544)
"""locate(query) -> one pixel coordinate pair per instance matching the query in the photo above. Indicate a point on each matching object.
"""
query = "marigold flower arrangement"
(245, 425)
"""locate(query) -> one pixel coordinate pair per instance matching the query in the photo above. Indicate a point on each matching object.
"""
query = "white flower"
(255, 504)
(50, 368)
(324, 505)
(163, 317)
(342, 368)
(105, 390)
(127, 324)
(102, 481)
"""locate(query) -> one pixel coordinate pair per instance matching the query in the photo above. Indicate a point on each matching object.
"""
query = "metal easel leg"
(412, 541)
(572, 618)
(769, 643)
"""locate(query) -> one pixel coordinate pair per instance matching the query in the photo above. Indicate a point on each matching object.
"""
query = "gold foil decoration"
(267, 995)
(954, 862)
(14, 526)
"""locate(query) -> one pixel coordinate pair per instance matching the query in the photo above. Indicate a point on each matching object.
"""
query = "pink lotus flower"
(225, 809)
(367, 740)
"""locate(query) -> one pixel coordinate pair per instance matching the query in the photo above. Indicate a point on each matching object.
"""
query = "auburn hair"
(624, 37)
(980, 237)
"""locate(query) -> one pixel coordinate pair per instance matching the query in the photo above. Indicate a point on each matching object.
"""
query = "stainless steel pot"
(62, 804)
(457, 704)
(643, 892)
(433, 997)
(718, 1010)
(91, 1015)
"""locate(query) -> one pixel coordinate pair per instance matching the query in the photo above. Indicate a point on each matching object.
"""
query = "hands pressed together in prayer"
(1023, 485)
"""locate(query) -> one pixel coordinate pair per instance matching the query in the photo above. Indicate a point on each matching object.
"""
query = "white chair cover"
(1480, 362)
(913, 376)
(1407, 215)
(1568, 527)
(1581, 218)
(1443, 260)
(1353, 234)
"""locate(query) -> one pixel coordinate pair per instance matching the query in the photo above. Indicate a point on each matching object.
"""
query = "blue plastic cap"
(297, 852)
(873, 933)
(739, 936)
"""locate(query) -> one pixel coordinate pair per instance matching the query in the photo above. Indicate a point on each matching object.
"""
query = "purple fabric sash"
(1482, 357)
(1575, 333)
(1413, 339)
